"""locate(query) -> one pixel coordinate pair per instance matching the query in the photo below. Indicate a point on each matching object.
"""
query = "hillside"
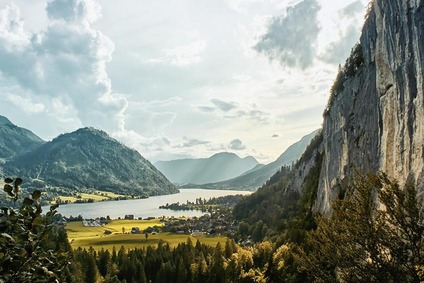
(374, 121)
(89, 158)
(256, 177)
(15, 140)
(218, 167)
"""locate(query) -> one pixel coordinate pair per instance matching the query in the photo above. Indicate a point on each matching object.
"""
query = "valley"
(85, 237)
(344, 203)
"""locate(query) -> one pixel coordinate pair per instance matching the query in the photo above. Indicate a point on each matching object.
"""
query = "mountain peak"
(225, 154)
(220, 166)
(15, 140)
(5, 121)
(90, 158)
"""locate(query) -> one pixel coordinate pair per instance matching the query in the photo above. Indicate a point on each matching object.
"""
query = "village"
(217, 220)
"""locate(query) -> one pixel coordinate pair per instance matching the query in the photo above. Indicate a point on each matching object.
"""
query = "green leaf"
(54, 206)
(28, 201)
(36, 194)
(7, 236)
(8, 188)
(8, 180)
(18, 181)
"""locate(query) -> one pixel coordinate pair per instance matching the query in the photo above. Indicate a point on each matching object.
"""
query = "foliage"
(25, 252)
(90, 159)
(273, 212)
(15, 140)
(349, 69)
(375, 234)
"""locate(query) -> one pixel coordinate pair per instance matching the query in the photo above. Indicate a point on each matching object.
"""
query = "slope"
(256, 177)
(374, 120)
(218, 167)
(89, 158)
(15, 140)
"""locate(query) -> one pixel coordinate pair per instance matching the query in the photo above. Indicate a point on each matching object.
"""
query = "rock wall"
(376, 123)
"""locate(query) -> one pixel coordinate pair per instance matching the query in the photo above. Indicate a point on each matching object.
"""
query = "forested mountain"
(219, 167)
(89, 158)
(15, 140)
(322, 219)
(374, 120)
(256, 177)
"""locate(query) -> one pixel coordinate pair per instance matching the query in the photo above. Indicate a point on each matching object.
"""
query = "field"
(84, 237)
(96, 196)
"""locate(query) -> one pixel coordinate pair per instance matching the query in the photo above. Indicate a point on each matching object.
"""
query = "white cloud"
(180, 56)
(191, 142)
(66, 61)
(25, 103)
(223, 105)
(76, 11)
(291, 38)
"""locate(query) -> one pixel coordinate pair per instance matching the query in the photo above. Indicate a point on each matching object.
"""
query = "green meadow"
(86, 237)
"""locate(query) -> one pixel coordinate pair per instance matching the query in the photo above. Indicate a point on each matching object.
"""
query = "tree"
(23, 235)
(375, 234)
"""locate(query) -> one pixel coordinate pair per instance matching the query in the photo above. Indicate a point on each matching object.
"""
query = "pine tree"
(375, 234)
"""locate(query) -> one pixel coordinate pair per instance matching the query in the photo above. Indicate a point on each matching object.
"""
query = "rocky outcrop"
(375, 121)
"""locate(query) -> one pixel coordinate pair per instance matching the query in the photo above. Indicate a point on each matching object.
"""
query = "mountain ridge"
(374, 121)
(90, 158)
(15, 140)
(254, 178)
(218, 167)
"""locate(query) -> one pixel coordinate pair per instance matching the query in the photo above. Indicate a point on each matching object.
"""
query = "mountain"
(15, 140)
(257, 176)
(218, 167)
(89, 158)
(374, 121)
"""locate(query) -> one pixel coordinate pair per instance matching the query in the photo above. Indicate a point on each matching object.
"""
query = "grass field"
(97, 196)
(84, 237)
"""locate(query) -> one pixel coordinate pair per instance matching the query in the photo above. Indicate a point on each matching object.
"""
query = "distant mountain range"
(218, 167)
(84, 159)
(257, 176)
(90, 159)
(15, 140)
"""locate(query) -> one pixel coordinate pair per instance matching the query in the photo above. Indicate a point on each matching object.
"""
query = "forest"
(364, 240)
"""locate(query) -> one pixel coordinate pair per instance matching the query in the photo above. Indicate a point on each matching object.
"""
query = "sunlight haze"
(175, 79)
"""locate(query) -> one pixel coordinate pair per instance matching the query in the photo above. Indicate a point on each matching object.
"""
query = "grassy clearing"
(84, 237)
(96, 196)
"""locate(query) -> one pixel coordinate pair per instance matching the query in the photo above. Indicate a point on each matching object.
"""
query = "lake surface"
(143, 207)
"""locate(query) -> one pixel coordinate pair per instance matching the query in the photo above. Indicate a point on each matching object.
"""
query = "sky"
(175, 78)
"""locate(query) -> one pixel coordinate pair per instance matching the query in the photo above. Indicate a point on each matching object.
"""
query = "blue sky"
(175, 78)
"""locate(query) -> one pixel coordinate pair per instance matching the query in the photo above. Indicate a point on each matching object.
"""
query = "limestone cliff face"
(376, 120)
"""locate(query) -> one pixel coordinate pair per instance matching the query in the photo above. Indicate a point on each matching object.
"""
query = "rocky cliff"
(375, 118)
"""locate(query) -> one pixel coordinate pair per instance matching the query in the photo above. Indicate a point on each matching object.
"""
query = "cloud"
(352, 9)
(25, 103)
(255, 114)
(191, 142)
(74, 10)
(234, 110)
(290, 39)
(223, 105)
(180, 56)
(275, 136)
(206, 108)
(66, 61)
(236, 144)
(218, 104)
(337, 52)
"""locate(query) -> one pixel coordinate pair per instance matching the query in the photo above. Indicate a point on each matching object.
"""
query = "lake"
(143, 207)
